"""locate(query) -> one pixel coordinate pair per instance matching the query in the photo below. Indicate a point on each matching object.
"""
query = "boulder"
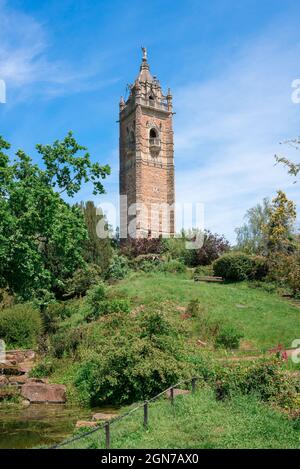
(3, 381)
(102, 416)
(42, 392)
(8, 368)
(18, 380)
(83, 423)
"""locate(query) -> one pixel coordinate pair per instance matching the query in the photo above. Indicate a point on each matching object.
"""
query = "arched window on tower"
(154, 140)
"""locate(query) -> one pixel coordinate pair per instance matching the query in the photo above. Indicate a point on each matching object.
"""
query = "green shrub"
(228, 337)
(173, 266)
(82, 280)
(42, 369)
(205, 270)
(118, 269)
(66, 342)
(263, 378)
(106, 307)
(20, 325)
(240, 266)
(147, 262)
(154, 324)
(194, 308)
(128, 370)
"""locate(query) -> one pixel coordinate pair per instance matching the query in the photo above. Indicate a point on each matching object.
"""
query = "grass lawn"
(265, 318)
(199, 421)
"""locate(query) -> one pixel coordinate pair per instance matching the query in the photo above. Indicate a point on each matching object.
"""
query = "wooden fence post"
(194, 385)
(172, 395)
(107, 435)
(145, 414)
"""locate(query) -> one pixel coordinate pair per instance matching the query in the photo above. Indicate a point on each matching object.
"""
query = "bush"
(264, 379)
(205, 270)
(154, 324)
(42, 369)
(194, 308)
(20, 326)
(147, 262)
(172, 266)
(82, 280)
(65, 343)
(228, 337)
(128, 370)
(106, 307)
(118, 268)
(240, 266)
(141, 246)
(213, 247)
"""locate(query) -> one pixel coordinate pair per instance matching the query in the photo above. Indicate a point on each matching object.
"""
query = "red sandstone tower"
(146, 159)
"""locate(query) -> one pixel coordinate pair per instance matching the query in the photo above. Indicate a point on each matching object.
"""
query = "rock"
(177, 392)
(83, 423)
(20, 356)
(25, 403)
(8, 368)
(3, 381)
(41, 392)
(101, 416)
(18, 380)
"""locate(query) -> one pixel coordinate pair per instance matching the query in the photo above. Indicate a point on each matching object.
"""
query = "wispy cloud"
(228, 129)
(26, 67)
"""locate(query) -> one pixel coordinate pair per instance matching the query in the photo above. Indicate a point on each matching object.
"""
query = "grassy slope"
(265, 318)
(199, 421)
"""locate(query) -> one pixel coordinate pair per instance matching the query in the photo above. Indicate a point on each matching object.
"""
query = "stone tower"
(146, 159)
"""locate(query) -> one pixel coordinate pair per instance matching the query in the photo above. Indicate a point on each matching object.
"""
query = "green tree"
(41, 236)
(96, 250)
(279, 228)
(251, 236)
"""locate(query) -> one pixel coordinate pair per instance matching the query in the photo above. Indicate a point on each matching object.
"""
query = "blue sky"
(230, 65)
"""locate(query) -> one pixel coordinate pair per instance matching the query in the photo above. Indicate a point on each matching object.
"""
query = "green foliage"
(94, 297)
(205, 270)
(96, 249)
(118, 268)
(41, 236)
(240, 266)
(20, 325)
(107, 307)
(280, 225)
(228, 337)
(82, 280)
(154, 324)
(264, 378)
(43, 369)
(251, 237)
(127, 370)
(147, 262)
(172, 266)
(194, 308)
(66, 342)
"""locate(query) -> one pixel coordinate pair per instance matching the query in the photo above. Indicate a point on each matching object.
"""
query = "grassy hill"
(265, 318)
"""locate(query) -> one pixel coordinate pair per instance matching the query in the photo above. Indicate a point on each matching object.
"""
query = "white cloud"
(227, 131)
(24, 62)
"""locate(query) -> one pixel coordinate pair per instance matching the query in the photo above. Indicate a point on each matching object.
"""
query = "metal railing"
(106, 426)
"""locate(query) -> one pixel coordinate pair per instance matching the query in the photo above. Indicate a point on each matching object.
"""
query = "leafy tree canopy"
(41, 236)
